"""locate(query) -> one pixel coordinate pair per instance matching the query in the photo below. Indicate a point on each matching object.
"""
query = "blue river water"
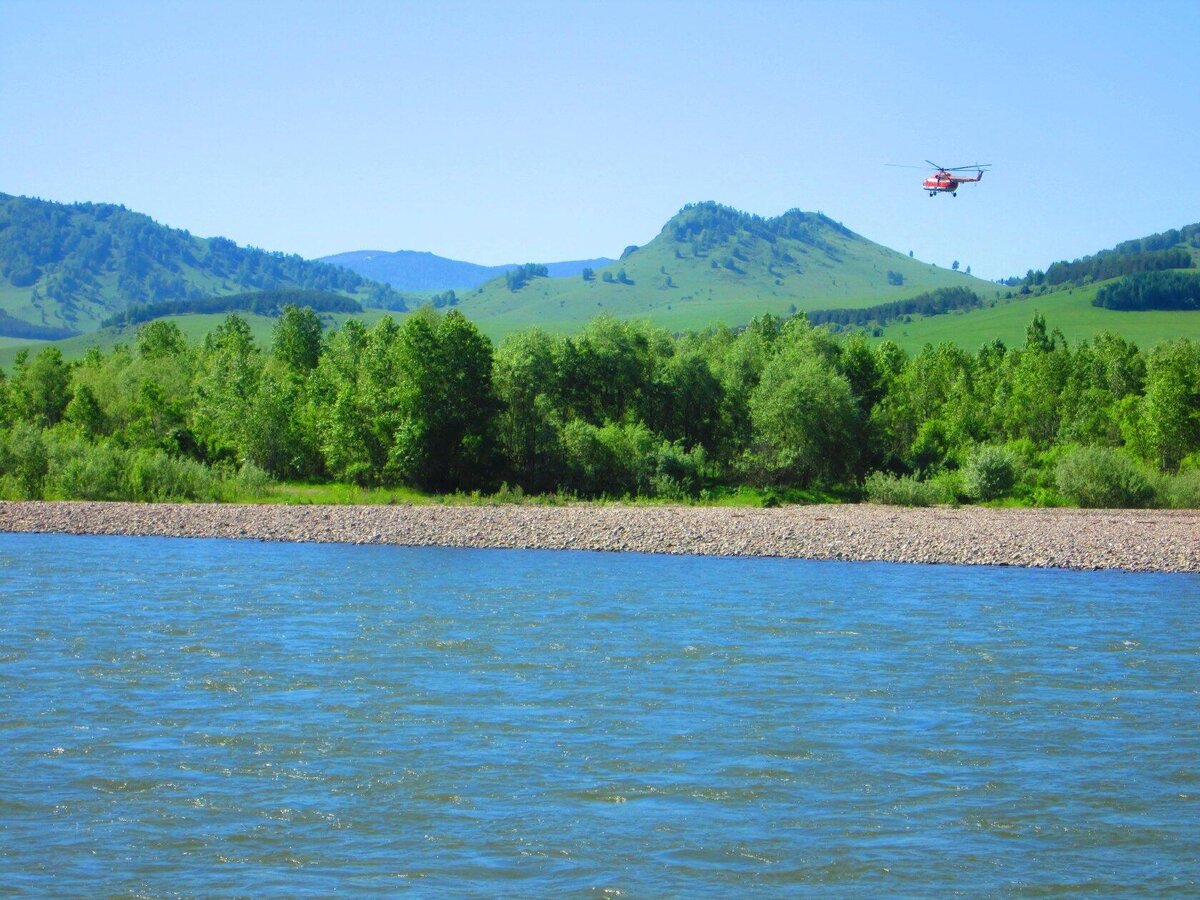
(208, 717)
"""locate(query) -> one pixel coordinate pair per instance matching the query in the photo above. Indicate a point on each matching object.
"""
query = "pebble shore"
(1132, 540)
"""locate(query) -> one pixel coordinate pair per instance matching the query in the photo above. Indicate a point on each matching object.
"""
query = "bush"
(594, 468)
(252, 480)
(25, 461)
(155, 477)
(89, 471)
(900, 490)
(990, 473)
(1100, 477)
(1181, 491)
(948, 486)
(676, 471)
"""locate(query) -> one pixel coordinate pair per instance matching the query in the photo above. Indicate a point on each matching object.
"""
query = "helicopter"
(947, 178)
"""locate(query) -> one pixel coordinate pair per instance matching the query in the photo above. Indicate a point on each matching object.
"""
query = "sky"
(505, 132)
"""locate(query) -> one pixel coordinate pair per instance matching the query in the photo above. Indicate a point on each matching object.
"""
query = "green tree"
(1105, 371)
(525, 379)
(229, 369)
(297, 339)
(444, 404)
(160, 338)
(605, 370)
(930, 412)
(40, 389)
(686, 401)
(804, 420)
(338, 417)
(1031, 400)
(84, 410)
(273, 437)
(1169, 422)
(25, 459)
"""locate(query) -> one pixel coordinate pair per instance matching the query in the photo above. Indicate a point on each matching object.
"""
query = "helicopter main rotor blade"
(964, 168)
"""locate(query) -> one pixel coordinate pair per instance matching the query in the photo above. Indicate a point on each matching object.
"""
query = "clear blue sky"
(505, 132)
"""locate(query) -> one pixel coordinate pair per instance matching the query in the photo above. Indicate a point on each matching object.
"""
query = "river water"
(208, 717)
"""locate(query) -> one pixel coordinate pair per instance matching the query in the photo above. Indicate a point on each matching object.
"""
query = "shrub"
(90, 472)
(1100, 477)
(252, 480)
(594, 468)
(154, 476)
(25, 460)
(990, 473)
(1181, 491)
(948, 486)
(676, 471)
(900, 490)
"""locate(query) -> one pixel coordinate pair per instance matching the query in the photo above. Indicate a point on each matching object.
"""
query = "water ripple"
(211, 718)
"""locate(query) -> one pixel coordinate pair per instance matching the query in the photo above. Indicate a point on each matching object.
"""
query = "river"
(208, 717)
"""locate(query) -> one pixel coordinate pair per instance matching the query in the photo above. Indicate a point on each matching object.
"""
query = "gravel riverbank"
(1135, 540)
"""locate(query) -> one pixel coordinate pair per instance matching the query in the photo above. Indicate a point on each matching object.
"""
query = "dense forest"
(1166, 250)
(1152, 290)
(620, 409)
(930, 303)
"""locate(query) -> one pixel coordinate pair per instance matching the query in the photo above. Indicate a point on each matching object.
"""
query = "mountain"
(711, 263)
(66, 267)
(412, 270)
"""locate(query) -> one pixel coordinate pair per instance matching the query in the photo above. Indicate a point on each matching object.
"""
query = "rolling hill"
(1066, 294)
(711, 263)
(64, 268)
(411, 270)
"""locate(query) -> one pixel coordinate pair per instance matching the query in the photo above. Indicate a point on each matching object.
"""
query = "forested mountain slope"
(67, 267)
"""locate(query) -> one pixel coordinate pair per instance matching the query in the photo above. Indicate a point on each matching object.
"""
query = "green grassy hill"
(70, 266)
(1070, 310)
(711, 263)
(1064, 294)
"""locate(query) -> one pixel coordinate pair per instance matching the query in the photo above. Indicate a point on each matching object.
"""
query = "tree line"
(1154, 253)
(620, 409)
(11, 326)
(1152, 290)
(930, 303)
(263, 303)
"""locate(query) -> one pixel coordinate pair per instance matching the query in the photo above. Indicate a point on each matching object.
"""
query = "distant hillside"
(411, 270)
(67, 267)
(711, 263)
(1145, 289)
(1176, 248)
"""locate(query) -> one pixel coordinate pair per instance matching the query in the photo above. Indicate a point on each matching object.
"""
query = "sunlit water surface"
(206, 717)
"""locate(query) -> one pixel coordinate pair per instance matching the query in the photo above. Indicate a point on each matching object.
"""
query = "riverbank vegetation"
(429, 407)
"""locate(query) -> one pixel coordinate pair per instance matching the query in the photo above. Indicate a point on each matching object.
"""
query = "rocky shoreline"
(1132, 540)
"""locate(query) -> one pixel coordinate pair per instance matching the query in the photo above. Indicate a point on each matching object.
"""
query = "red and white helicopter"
(947, 178)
